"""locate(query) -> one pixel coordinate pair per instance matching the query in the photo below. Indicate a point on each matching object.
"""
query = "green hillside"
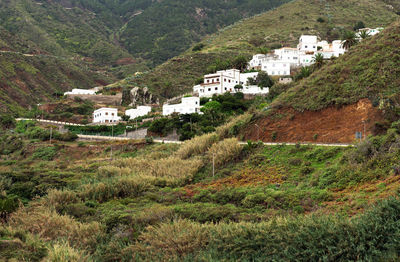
(281, 26)
(60, 31)
(370, 69)
(28, 80)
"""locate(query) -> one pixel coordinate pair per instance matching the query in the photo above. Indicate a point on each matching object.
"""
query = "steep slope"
(28, 80)
(61, 31)
(281, 26)
(169, 27)
(359, 91)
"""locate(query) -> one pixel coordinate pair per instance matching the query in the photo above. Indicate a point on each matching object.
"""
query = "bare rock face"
(142, 96)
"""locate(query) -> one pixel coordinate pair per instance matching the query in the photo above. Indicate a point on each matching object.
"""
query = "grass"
(279, 195)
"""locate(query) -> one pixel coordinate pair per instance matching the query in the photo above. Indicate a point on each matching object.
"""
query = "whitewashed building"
(77, 91)
(189, 105)
(308, 43)
(138, 112)
(370, 31)
(225, 81)
(106, 115)
(276, 67)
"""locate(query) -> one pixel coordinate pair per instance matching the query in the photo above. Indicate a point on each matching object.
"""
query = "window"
(209, 89)
(216, 88)
(226, 88)
(106, 113)
(208, 81)
(112, 114)
(273, 73)
(224, 79)
(229, 81)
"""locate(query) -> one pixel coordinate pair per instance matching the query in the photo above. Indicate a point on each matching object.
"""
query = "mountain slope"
(280, 26)
(169, 27)
(28, 80)
(357, 92)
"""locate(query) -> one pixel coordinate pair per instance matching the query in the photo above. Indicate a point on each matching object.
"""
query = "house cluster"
(282, 60)
(110, 115)
(229, 81)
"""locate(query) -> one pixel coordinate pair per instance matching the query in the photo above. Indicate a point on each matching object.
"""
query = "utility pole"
(365, 129)
(51, 133)
(213, 163)
(112, 135)
(258, 132)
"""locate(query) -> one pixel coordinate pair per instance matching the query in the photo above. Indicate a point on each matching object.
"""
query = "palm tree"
(364, 34)
(318, 60)
(349, 39)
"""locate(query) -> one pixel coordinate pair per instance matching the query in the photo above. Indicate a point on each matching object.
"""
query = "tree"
(263, 50)
(240, 63)
(264, 80)
(364, 34)
(359, 25)
(318, 60)
(304, 72)
(126, 97)
(349, 39)
(7, 121)
(238, 88)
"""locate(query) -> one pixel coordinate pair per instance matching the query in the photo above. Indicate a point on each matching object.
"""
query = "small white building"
(276, 67)
(139, 111)
(189, 105)
(106, 115)
(77, 91)
(308, 43)
(255, 90)
(288, 55)
(370, 31)
(225, 81)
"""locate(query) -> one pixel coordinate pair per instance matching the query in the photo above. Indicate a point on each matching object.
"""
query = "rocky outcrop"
(142, 96)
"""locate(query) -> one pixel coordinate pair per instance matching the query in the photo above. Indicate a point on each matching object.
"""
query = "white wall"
(139, 111)
(189, 105)
(77, 91)
(106, 115)
(276, 68)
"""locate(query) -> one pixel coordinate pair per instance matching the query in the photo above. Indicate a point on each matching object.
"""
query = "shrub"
(112, 171)
(49, 225)
(196, 146)
(225, 151)
(63, 252)
(233, 127)
(175, 239)
(45, 153)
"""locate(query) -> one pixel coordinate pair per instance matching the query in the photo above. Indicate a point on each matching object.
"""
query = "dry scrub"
(49, 225)
(197, 146)
(225, 151)
(175, 239)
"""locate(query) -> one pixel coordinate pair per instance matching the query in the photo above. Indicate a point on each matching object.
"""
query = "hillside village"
(278, 63)
(275, 138)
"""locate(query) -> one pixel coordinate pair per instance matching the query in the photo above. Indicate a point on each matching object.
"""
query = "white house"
(189, 105)
(288, 55)
(254, 90)
(106, 115)
(276, 67)
(139, 111)
(77, 91)
(370, 31)
(308, 43)
(225, 81)
(218, 83)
